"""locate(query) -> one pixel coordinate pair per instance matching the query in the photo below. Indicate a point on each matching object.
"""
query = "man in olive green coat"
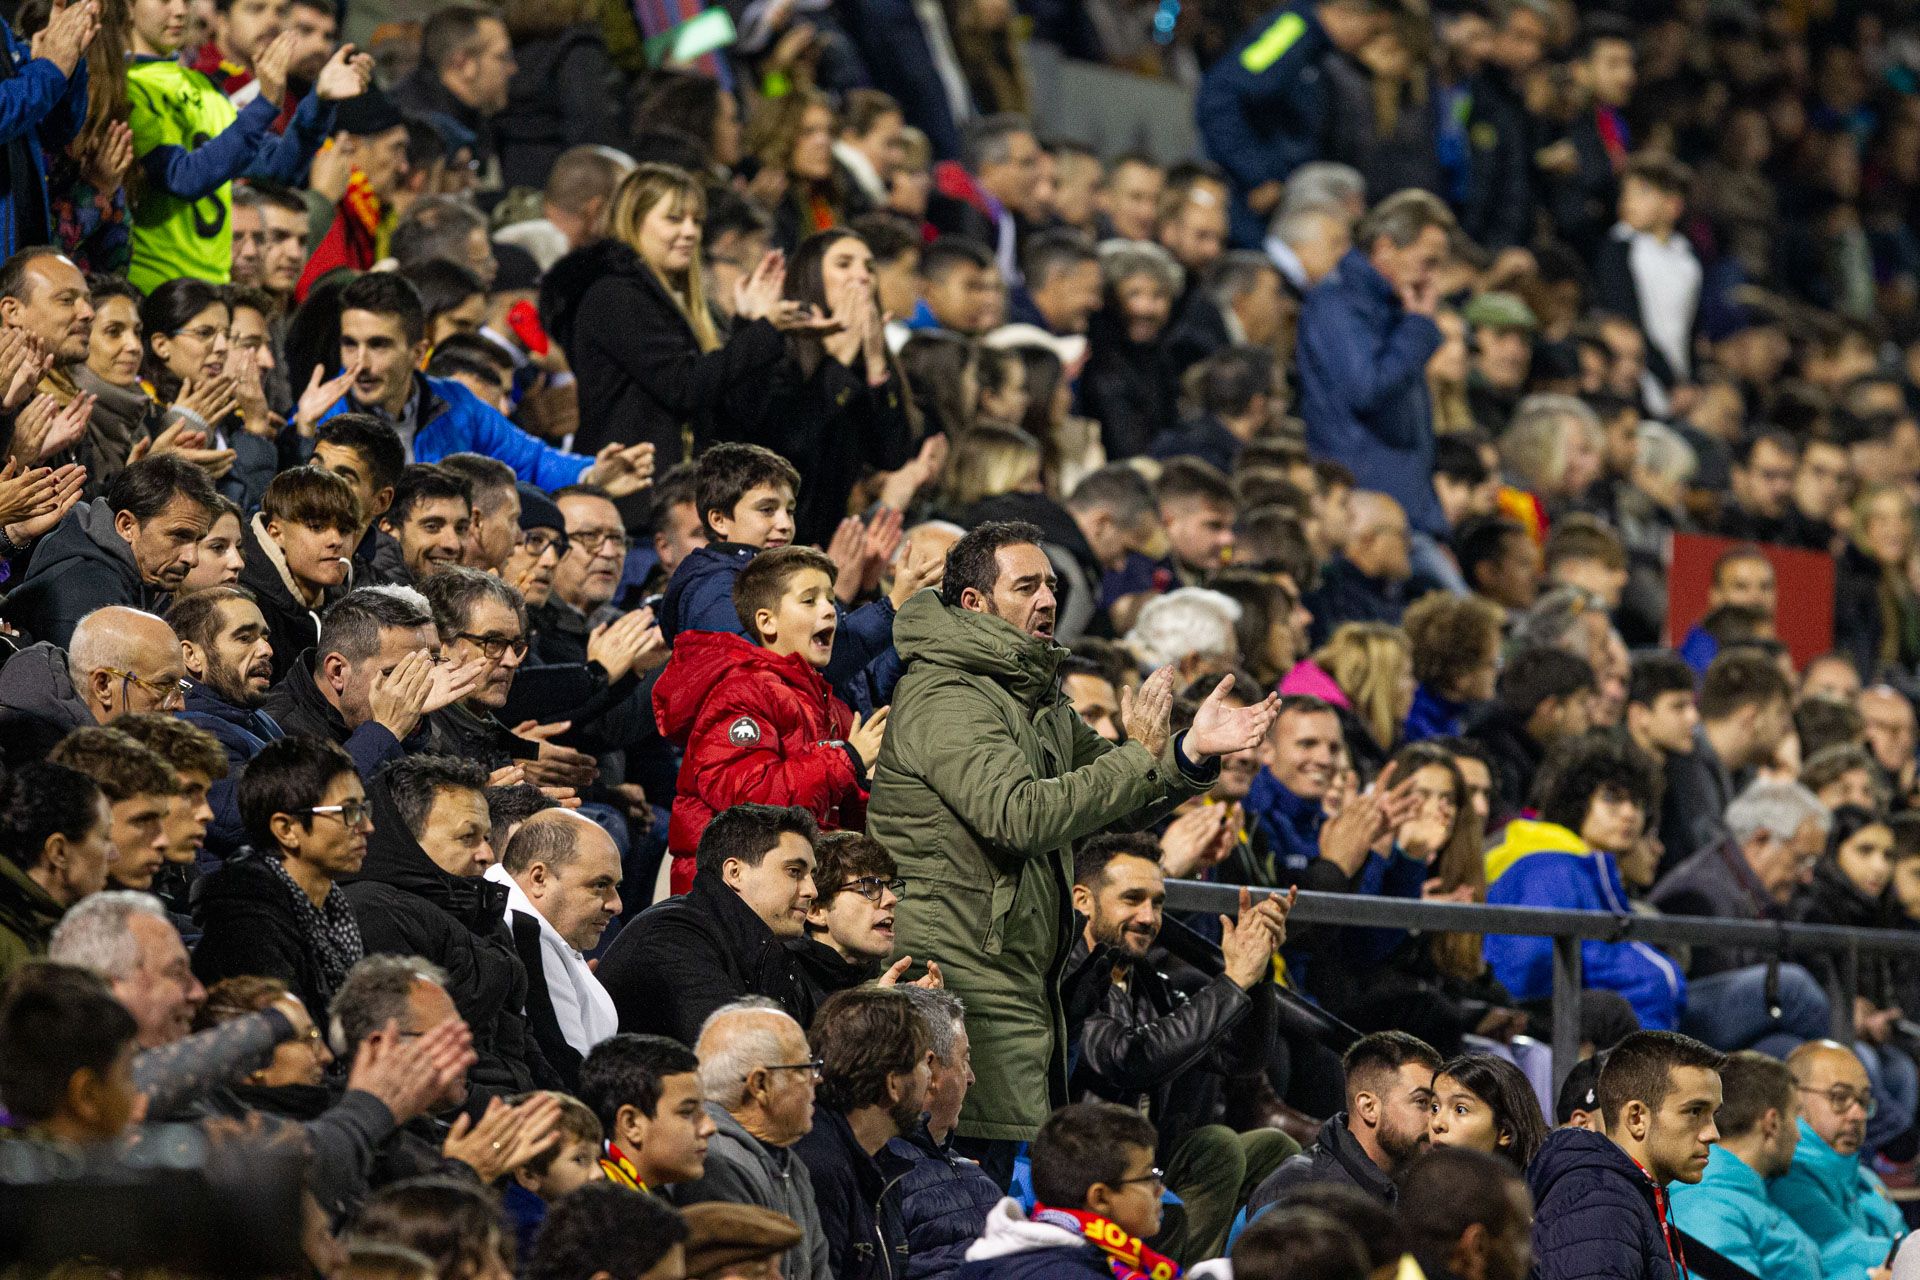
(984, 784)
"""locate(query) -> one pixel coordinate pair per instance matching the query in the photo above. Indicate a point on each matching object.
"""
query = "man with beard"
(275, 910)
(1145, 1047)
(876, 1058)
(1828, 1190)
(134, 547)
(1389, 1093)
(989, 831)
(229, 664)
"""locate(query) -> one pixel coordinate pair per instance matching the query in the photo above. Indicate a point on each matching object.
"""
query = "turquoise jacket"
(1728, 1211)
(1840, 1203)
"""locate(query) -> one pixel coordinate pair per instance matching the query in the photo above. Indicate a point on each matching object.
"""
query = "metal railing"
(1568, 929)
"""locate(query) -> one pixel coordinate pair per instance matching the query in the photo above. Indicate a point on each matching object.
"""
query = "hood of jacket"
(89, 535)
(978, 644)
(395, 858)
(1309, 677)
(35, 680)
(1573, 1151)
(1054, 520)
(266, 569)
(704, 660)
(564, 287)
(1009, 1231)
(700, 564)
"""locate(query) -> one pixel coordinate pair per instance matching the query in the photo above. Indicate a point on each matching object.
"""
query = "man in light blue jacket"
(1828, 1191)
(1729, 1210)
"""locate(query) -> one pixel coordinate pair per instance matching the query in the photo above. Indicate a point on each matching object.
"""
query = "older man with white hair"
(758, 1074)
(1366, 581)
(1776, 833)
(1190, 629)
(119, 660)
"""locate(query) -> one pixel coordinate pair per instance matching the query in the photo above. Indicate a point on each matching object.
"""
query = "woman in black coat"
(565, 93)
(654, 360)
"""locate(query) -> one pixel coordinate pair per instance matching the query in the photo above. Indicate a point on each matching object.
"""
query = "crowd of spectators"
(616, 619)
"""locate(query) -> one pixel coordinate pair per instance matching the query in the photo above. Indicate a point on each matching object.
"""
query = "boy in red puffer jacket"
(757, 721)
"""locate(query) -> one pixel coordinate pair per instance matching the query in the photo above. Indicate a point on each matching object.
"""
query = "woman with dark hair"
(1486, 1104)
(793, 136)
(185, 322)
(942, 369)
(188, 366)
(696, 107)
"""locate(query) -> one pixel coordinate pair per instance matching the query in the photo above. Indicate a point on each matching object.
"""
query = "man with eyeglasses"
(592, 555)
(274, 910)
(1829, 1191)
(759, 1076)
(482, 619)
(850, 926)
(539, 545)
(119, 660)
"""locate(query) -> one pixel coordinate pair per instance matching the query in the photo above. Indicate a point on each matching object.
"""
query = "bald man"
(1367, 581)
(760, 1095)
(1829, 1192)
(562, 876)
(119, 660)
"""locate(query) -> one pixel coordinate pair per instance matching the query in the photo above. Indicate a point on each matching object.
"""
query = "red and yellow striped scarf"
(1126, 1253)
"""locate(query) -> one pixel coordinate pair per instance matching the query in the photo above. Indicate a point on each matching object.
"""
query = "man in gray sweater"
(757, 1072)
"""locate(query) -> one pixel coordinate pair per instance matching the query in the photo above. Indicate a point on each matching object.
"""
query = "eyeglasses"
(494, 646)
(352, 814)
(200, 333)
(1843, 1099)
(595, 541)
(872, 888)
(540, 541)
(171, 693)
(1156, 1176)
(817, 1066)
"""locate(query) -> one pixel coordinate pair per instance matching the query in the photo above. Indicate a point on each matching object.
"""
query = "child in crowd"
(645, 1090)
(570, 1163)
(755, 717)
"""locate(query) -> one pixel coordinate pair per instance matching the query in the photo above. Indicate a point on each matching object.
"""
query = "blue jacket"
(1542, 864)
(944, 1198)
(1433, 716)
(1291, 823)
(1841, 1204)
(1363, 387)
(1595, 1215)
(1262, 108)
(454, 420)
(1729, 1212)
(44, 109)
(242, 732)
(699, 597)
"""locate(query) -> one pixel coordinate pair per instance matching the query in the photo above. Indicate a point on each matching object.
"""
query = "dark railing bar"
(1367, 911)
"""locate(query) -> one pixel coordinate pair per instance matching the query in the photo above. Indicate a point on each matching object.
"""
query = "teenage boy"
(368, 455)
(1096, 1199)
(755, 717)
(192, 144)
(139, 786)
(1647, 270)
(296, 547)
(66, 1056)
(849, 932)
(558, 1171)
(746, 496)
(646, 1092)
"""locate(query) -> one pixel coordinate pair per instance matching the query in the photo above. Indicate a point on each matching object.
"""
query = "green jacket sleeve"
(995, 790)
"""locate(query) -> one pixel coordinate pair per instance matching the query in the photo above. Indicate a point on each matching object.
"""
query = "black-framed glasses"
(1156, 1176)
(494, 646)
(595, 541)
(538, 542)
(872, 888)
(171, 693)
(352, 813)
(817, 1066)
(1842, 1099)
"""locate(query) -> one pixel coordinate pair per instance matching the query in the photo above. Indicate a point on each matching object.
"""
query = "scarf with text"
(1126, 1253)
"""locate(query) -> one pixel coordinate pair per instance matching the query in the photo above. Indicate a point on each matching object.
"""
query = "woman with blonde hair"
(654, 359)
(990, 460)
(1366, 670)
(1876, 615)
(1553, 449)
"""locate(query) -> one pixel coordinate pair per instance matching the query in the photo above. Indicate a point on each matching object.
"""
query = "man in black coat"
(1600, 1199)
(1147, 1046)
(724, 938)
(273, 910)
(873, 1046)
(420, 892)
(1543, 695)
(1389, 1092)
